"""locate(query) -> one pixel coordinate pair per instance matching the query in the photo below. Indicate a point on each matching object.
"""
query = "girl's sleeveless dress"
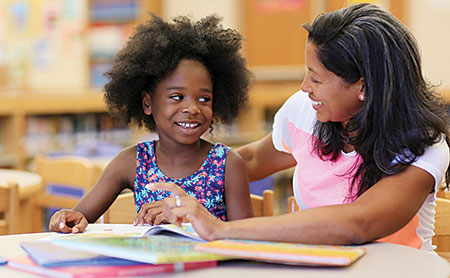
(207, 184)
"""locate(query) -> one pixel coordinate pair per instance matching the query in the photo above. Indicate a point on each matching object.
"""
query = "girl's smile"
(182, 103)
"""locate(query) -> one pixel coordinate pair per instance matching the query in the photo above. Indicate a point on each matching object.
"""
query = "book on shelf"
(285, 253)
(158, 244)
(136, 269)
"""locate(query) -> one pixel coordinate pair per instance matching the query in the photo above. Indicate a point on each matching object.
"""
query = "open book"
(286, 253)
(159, 244)
(128, 230)
(185, 231)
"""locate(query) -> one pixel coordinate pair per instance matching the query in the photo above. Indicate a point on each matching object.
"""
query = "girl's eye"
(204, 99)
(176, 97)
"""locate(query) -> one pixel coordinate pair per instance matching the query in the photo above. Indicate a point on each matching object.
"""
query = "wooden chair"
(123, 210)
(263, 205)
(442, 228)
(443, 193)
(71, 171)
(292, 205)
(9, 207)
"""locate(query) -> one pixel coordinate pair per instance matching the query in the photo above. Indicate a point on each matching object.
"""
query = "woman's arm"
(237, 192)
(262, 159)
(383, 209)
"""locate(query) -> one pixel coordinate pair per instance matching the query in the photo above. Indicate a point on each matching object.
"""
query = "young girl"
(175, 79)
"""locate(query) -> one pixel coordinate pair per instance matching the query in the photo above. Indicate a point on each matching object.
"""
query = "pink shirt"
(320, 183)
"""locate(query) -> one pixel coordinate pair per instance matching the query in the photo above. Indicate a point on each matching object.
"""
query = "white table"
(29, 184)
(382, 260)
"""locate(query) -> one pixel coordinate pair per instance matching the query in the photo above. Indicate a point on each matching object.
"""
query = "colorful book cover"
(155, 249)
(47, 254)
(287, 253)
(27, 265)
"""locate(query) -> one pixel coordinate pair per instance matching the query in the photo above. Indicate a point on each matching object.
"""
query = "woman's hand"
(152, 213)
(180, 209)
(68, 221)
(184, 208)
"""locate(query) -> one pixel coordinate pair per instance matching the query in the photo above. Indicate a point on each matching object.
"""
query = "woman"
(367, 135)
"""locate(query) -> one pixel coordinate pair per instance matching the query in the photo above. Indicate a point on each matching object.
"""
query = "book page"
(105, 230)
(185, 230)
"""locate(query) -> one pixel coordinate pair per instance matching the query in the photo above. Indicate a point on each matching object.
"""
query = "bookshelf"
(111, 22)
(37, 118)
(21, 113)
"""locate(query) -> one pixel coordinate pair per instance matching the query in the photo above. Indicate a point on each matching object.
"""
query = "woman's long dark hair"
(401, 115)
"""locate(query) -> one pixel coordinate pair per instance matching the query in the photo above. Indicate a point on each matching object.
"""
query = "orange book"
(286, 253)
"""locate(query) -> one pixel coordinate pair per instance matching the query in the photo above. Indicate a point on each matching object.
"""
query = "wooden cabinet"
(274, 47)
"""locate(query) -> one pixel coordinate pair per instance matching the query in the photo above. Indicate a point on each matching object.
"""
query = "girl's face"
(333, 98)
(182, 103)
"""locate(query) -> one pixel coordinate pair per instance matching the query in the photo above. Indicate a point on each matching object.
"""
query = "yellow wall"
(44, 48)
(430, 23)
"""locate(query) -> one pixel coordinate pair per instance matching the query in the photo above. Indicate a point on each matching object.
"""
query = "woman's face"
(333, 98)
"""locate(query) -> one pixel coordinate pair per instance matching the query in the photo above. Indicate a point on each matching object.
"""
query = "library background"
(53, 54)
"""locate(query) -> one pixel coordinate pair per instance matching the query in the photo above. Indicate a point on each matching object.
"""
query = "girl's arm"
(382, 210)
(118, 175)
(262, 159)
(237, 193)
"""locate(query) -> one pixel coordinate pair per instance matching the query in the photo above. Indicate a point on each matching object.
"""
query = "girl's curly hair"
(156, 48)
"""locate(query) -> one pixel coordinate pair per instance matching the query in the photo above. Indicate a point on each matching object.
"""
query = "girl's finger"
(149, 218)
(159, 219)
(140, 217)
(80, 227)
(152, 214)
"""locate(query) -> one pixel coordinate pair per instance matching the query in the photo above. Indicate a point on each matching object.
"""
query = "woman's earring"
(362, 97)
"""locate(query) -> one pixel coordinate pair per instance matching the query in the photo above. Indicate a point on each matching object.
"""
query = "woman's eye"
(314, 80)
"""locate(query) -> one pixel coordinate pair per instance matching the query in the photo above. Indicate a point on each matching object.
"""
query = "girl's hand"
(68, 221)
(152, 213)
(184, 208)
(207, 226)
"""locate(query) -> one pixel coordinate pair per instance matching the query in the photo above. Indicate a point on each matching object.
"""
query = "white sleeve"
(280, 131)
(435, 161)
(296, 112)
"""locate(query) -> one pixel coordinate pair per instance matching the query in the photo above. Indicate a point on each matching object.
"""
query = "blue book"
(47, 254)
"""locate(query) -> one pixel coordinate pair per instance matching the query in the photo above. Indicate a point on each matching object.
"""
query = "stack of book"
(115, 250)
